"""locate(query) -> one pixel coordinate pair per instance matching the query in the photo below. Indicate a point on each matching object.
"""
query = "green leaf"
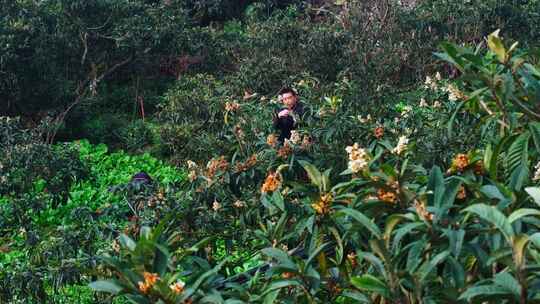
(370, 283)
(362, 219)
(314, 174)
(110, 286)
(516, 215)
(455, 237)
(127, 242)
(508, 282)
(391, 222)
(436, 184)
(281, 284)
(534, 192)
(282, 257)
(428, 266)
(534, 128)
(483, 291)
(535, 239)
(357, 296)
(493, 216)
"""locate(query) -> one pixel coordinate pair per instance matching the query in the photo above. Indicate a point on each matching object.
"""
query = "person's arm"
(275, 120)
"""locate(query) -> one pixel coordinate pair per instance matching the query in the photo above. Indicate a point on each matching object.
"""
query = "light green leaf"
(496, 46)
(534, 192)
(110, 286)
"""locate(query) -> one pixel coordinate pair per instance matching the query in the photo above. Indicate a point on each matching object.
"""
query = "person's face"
(288, 99)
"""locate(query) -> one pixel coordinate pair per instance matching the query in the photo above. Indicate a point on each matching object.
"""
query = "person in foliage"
(287, 118)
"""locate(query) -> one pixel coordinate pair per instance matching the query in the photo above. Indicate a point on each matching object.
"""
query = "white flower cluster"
(406, 111)
(364, 119)
(358, 158)
(537, 172)
(401, 145)
(295, 137)
(454, 93)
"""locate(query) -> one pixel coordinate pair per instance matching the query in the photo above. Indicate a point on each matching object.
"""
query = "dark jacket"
(288, 123)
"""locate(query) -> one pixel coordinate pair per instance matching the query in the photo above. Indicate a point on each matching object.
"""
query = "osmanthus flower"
(216, 206)
(460, 162)
(322, 206)
(239, 204)
(177, 287)
(358, 158)
(378, 132)
(430, 84)
(295, 137)
(231, 106)
(271, 183)
(536, 176)
(462, 193)
(401, 145)
(285, 150)
(422, 211)
(272, 140)
(364, 119)
(386, 196)
(454, 93)
(423, 103)
(149, 280)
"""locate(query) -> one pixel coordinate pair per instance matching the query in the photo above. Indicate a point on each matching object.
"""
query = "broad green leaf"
(363, 220)
(483, 291)
(110, 286)
(428, 266)
(314, 174)
(456, 237)
(127, 242)
(282, 284)
(357, 296)
(516, 215)
(508, 282)
(391, 222)
(370, 283)
(282, 257)
(534, 128)
(493, 216)
(535, 239)
(534, 192)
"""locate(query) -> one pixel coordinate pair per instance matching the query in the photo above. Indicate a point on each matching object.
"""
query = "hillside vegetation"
(413, 178)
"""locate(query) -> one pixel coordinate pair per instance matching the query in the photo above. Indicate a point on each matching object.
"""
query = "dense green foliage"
(412, 178)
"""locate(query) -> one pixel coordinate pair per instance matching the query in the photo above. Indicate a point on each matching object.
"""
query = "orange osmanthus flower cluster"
(271, 183)
(378, 132)
(386, 196)
(460, 162)
(177, 287)
(284, 151)
(150, 280)
(462, 194)
(249, 163)
(422, 211)
(231, 106)
(272, 140)
(322, 206)
(219, 164)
